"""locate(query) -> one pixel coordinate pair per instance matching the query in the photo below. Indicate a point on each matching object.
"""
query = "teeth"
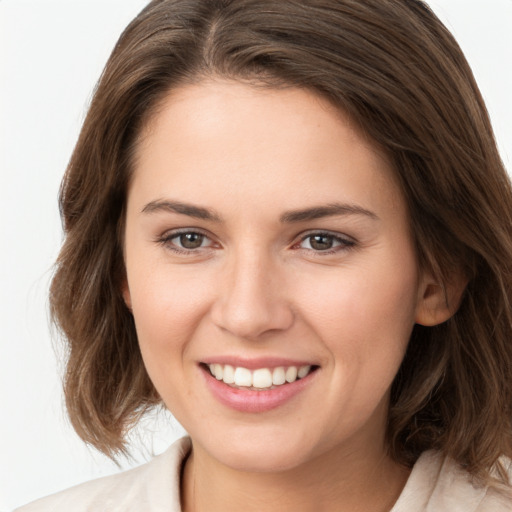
(229, 374)
(262, 378)
(243, 377)
(218, 371)
(303, 371)
(278, 376)
(291, 374)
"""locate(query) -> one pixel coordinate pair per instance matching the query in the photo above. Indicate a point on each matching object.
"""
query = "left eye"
(323, 242)
(189, 240)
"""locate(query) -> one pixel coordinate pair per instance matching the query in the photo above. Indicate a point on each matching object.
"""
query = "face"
(271, 274)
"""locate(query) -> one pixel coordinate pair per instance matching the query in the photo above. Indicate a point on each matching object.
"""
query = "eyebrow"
(289, 217)
(191, 210)
(330, 210)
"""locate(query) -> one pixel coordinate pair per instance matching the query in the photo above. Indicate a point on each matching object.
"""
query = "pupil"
(321, 242)
(191, 240)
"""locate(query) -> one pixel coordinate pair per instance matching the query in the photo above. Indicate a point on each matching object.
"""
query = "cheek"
(168, 309)
(365, 316)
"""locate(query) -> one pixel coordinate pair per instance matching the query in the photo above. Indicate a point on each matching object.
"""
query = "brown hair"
(400, 75)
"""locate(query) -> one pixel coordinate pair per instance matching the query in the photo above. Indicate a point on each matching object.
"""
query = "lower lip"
(248, 400)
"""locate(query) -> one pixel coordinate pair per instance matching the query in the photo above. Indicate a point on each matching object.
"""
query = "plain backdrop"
(51, 54)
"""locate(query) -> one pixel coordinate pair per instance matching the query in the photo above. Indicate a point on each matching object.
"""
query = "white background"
(51, 54)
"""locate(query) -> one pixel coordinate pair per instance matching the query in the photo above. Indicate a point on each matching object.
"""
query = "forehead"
(224, 139)
(209, 102)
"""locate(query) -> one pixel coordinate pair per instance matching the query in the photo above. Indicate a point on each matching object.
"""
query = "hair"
(399, 74)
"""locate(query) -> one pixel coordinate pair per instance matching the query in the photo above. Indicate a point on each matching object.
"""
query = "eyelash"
(344, 243)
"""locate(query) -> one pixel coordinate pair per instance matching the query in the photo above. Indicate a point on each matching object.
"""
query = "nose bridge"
(251, 298)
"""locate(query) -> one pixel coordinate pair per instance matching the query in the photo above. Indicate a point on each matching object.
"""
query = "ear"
(437, 302)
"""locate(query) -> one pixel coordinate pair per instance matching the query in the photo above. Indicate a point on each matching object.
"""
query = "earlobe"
(125, 291)
(437, 302)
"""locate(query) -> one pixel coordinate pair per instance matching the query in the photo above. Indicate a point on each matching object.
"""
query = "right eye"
(190, 240)
(185, 241)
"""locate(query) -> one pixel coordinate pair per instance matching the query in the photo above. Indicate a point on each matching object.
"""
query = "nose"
(251, 300)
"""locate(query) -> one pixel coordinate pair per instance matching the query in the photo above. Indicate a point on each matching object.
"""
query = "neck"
(337, 480)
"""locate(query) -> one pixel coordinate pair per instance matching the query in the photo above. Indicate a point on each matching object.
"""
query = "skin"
(256, 286)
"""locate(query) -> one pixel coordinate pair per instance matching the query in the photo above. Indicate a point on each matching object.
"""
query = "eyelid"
(171, 233)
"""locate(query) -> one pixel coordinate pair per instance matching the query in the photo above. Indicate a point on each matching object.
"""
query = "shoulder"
(438, 484)
(154, 487)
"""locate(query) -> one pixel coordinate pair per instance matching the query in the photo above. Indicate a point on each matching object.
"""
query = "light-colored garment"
(433, 486)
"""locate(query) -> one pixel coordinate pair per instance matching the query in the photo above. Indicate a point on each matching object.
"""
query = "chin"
(261, 452)
(262, 461)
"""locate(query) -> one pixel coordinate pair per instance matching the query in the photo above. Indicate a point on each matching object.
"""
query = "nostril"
(251, 320)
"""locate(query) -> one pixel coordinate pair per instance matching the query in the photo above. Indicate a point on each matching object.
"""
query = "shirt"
(436, 484)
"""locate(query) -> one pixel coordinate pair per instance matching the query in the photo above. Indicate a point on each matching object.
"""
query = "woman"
(289, 223)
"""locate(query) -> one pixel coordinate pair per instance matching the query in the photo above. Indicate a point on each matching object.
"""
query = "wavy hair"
(395, 69)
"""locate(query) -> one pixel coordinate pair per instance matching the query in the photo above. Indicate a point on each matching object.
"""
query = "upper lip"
(257, 362)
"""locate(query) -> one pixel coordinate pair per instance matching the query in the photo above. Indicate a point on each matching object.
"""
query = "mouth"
(258, 379)
(258, 384)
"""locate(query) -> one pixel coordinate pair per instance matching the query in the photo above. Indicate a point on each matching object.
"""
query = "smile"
(260, 378)
(258, 389)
